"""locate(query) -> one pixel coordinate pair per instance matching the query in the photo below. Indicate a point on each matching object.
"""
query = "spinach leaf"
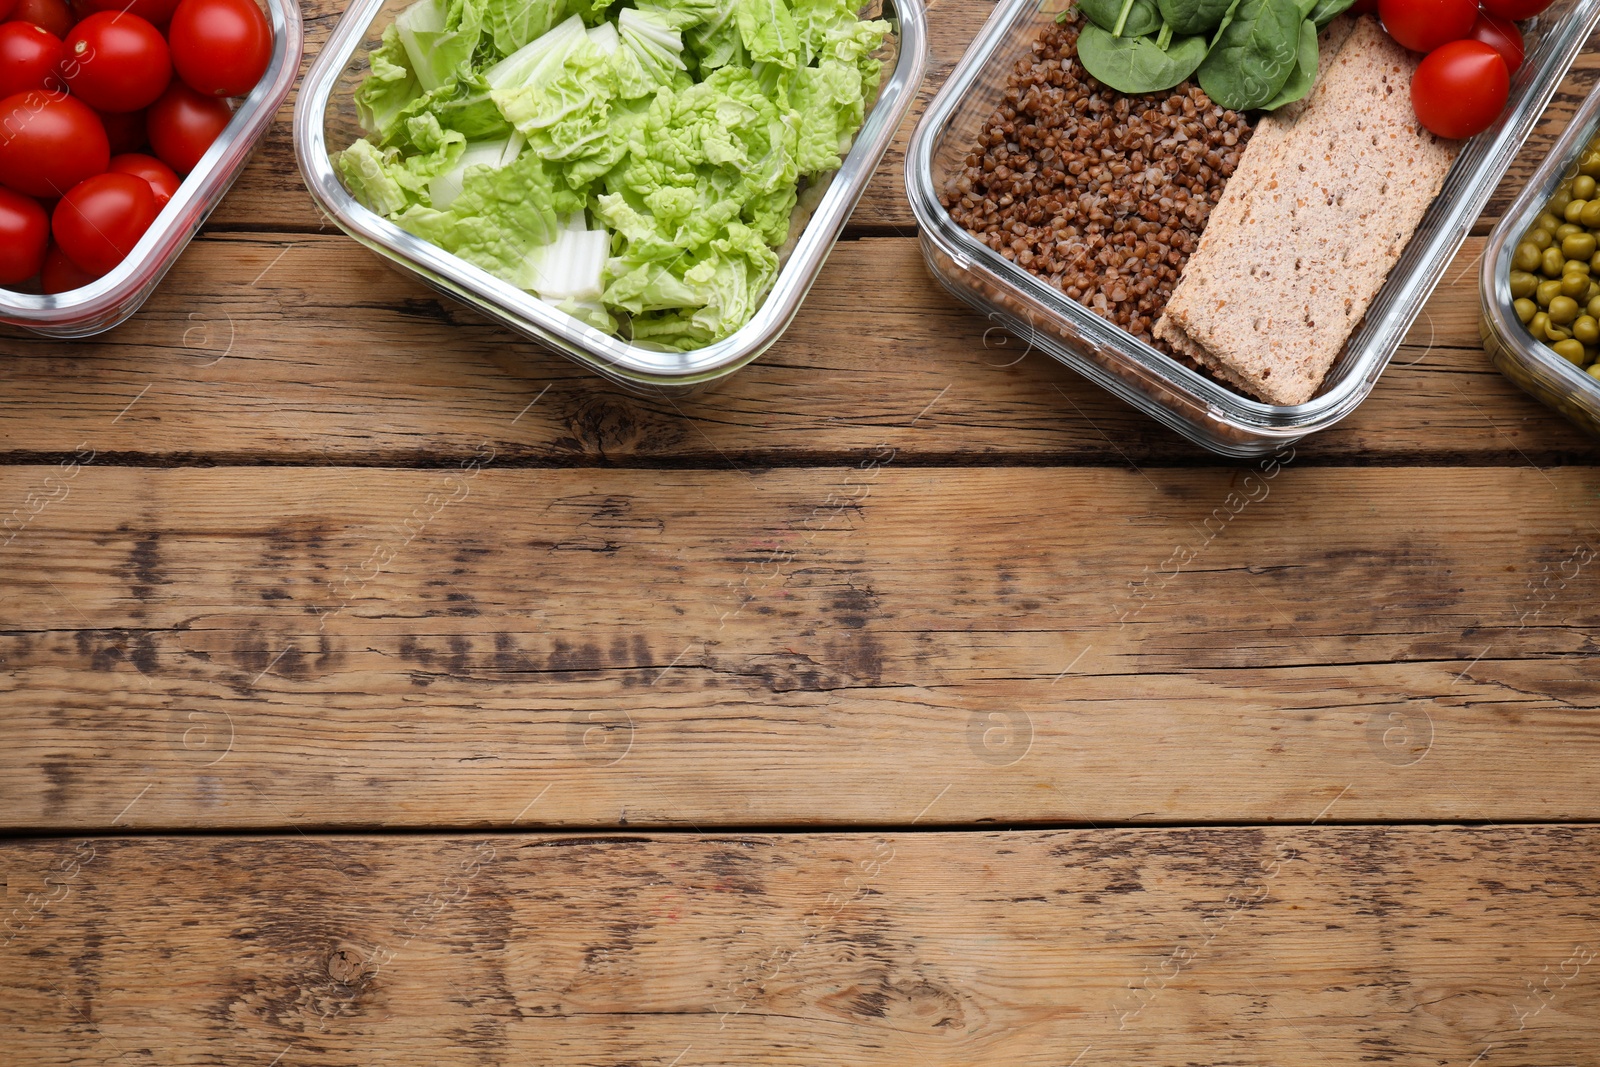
(1304, 75)
(1306, 7)
(1143, 17)
(1327, 10)
(1135, 65)
(1254, 55)
(1227, 20)
(1194, 16)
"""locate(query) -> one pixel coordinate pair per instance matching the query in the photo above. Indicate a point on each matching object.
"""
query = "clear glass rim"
(531, 316)
(184, 214)
(1467, 190)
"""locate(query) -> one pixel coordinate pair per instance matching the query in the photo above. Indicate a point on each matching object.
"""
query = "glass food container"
(112, 299)
(1539, 371)
(325, 120)
(1210, 414)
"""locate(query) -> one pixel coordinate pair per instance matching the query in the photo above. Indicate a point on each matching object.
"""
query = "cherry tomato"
(125, 129)
(5, 8)
(221, 47)
(163, 182)
(54, 143)
(1515, 9)
(24, 231)
(1423, 25)
(1460, 88)
(29, 56)
(1503, 36)
(183, 123)
(1364, 7)
(53, 15)
(60, 274)
(155, 12)
(100, 220)
(117, 62)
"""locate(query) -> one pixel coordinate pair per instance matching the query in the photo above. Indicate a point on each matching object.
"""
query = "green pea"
(1526, 309)
(1563, 309)
(1574, 284)
(1552, 261)
(1523, 284)
(1540, 238)
(1578, 246)
(1566, 229)
(1594, 262)
(1590, 293)
(1559, 202)
(1538, 324)
(1574, 210)
(1569, 350)
(1575, 266)
(1545, 292)
(1556, 333)
(1587, 329)
(1590, 164)
(1590, 216)
(1594, 370)
(1583, 187)
(1594, 306)
(1547, 221)
(1528, 256)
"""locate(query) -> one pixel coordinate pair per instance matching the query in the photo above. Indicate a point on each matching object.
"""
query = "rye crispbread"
(1286, 270)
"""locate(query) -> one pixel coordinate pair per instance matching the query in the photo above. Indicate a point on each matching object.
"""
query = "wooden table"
(380, 689)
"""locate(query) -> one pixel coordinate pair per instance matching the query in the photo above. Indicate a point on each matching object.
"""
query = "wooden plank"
(286, 348)
(269, 194)
(268, 648)
(1331, 947)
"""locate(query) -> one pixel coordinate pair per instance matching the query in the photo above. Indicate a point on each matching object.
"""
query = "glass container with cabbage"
(636, 166)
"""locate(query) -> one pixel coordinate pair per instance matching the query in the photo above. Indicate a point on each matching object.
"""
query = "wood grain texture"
(1144, 948)
(307, 349)
(270, 195)
(269, 648)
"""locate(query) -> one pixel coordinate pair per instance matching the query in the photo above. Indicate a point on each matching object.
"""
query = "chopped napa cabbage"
(635, 165)
(439, 37)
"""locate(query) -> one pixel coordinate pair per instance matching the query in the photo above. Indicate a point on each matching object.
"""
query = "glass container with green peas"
(1540, 281)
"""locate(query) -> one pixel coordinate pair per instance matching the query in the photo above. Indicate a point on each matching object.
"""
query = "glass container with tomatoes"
(126, 124)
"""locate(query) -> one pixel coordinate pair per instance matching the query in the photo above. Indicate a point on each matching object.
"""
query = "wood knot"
(347, 966)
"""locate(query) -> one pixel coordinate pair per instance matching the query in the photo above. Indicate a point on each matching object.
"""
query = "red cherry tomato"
(155, 12)
(53, 143)
(53, 15)
(24, 232)
(1516, 9)
(183, 123)
(60, 274)
(100, 220)
(163, 182)
(117, 62)
(29, 56)
(1423, 25)
(1503, 36)
(125, 130)
(5, 8)
(221, 47)
(1460, 88)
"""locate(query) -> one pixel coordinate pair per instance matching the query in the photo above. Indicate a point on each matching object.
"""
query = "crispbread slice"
(1260, 159)
(1279, 283)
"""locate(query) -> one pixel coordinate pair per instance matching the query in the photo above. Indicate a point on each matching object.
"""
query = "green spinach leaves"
(1136, 64)
(1248, 54)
